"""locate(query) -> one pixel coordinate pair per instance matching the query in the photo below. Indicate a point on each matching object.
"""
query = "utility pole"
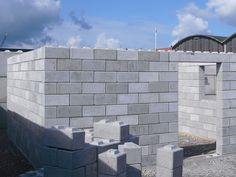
(155, 38)
(3, 40)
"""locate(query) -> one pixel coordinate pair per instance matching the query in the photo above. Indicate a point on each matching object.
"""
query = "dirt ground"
(12, 162)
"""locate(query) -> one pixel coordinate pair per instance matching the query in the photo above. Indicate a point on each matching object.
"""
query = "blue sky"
(112, 24)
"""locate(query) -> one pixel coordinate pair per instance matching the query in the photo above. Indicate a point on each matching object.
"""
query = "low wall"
(3, 87)
(197, 108)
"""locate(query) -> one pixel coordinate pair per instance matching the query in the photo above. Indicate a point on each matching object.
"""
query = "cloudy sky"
(112, 24)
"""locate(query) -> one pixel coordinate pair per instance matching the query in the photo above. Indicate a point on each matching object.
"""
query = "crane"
(3, 40)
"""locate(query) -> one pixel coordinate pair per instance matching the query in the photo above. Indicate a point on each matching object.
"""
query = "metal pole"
(155, 38)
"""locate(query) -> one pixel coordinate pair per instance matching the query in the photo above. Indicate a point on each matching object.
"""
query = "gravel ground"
(12, 163)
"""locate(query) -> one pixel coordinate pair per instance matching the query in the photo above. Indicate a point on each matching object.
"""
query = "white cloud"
(74, 41)
(224, 9)
(107, 42)
(189, 24)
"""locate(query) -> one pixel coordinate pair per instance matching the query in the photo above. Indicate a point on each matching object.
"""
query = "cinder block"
(65, 88)
(116, 110)
(130, 120)
(93, 110)
(116, 66)
(117, 88)
(81, 99)
(158, 107)
(138, 87)
(56, 52)
(54, 100)
(138, 130)
(50, 171)
(127, 55)
(69, 65)
(64, 137)
(168, 97)
(127, 77)
(148, 76)
(81, 76)
(133, 152)
(105, 77)
(93, 87)
(104, 145)
(50, 88)
(138, 108)
(138, 66)
(93, 65)
(159, 87)
(148, 119)
(148, 98)
(148, 139)
(76, 53)
(111, 130)
(104, 99)
(112, 162)
(76, 159)
(89, 135)
(69, 111)
(105, 54)
(158, 128)
(149, 56)
(159, 66)
(82, 122)
(57, 76)
(168, 76)
(127, 98)
(56, 121)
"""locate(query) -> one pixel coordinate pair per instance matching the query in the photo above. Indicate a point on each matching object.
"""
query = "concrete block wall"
(3, 86)
(197, 112)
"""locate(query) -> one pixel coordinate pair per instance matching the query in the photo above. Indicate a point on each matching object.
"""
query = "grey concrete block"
(148, 118)
(81, 76)
(93, 110)
(69, 65)
(127, 77)
(138, 108)
(138, 66)
(127, 98)
(101, 54)
(56, 121)
(116, 66)
(55, 52)
(93, 87)
(148, 139)
(54, 100)
(159, 66)
(82, 122)
(138, 129)
(117, 88)
(158, 87)
(64, 138)
(111, 130)
(148, 76)
(130, 119)
(168, 76)
(57, 76)
(148, 98)
(76, 53)
(104, 145)
(104, 99)
(69, 111)
(158, 128)
(65, 88)
(149, 56)
(133, 152)
(127, 55)
(81, 99)
(50, 171)
(105, 76)
(76, 159)
(116, 110)
(112, 162)
(158, 107)
(50, 88)
(93, 65)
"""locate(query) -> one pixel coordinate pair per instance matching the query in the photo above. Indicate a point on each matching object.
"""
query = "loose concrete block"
(105, 77)
(81, 76)
(148, 76)
(101, 54)
(89, 135)
(57, 76)
(93, 87)
(127, 98)
(104, 99)
(138, 66)
(93, 65)
(78, 158)
(76, 53)
(69, 65)
(111, 130)
(116, 109)
(134, 170)
(104, 145)
(117, 88)
(50, 171)
(81, 99)
(93, 110)
(65, 88)
(51, 100)
(112, 162)
(127, 77)
(127, 55)
(64, 137)
(133, 152)
(116, 66)
(138, 108)
(138, 87)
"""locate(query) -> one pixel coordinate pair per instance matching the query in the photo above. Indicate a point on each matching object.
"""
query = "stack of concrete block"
(133, 158)
(105, 129)
(169, 161)
(67, 155)
(112, 163)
